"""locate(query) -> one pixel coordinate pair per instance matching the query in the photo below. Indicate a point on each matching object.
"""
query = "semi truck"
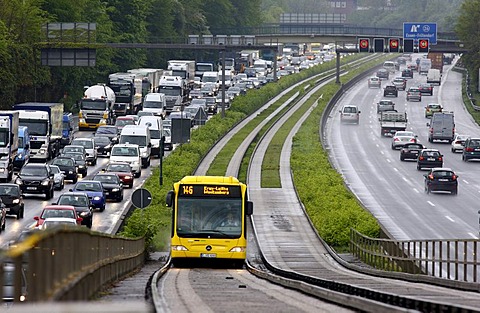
(128, 92)
(175, 90)
(150, 80)
(183, 68)
(23, 155)
(8, 143)
(392, 121)
(202, 67)
(96, 107)
(44, 122)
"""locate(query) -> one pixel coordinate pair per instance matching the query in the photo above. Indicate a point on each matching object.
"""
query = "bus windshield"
(209, 217)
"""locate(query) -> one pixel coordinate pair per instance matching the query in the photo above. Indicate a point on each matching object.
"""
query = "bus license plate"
(208, 255)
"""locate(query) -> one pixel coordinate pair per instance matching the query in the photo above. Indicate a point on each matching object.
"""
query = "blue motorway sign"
(417, 31)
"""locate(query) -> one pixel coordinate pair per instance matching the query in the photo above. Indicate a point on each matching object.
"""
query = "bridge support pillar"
(337, 80)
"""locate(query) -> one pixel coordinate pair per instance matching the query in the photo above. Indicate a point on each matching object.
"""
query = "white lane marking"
(404, 179)
(388, 160)
(465, 181)
(431, 203)
(416, 190)
(473, 236)
(449, 218)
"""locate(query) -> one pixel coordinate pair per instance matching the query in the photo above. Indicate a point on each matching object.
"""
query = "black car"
(112, 186)
(12, 198)
(81, 203)
(426, 89)
(80, 161)
(390, 90)
(35, 178)
(68, 166)
(103, 145)
(441, 179)
(429, 158)
(410, 151)
(109, 131)
(407, 73)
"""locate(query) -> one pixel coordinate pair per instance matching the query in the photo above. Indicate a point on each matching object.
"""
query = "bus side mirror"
(249, 208)
(169, 199)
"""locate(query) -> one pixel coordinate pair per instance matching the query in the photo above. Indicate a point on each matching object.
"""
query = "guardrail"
(70, 264)
(445, 258)
(471, 99)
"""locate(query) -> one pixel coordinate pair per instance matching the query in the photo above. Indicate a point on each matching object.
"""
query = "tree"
(468, 30)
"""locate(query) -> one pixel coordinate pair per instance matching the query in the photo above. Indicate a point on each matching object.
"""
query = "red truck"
(437, 60)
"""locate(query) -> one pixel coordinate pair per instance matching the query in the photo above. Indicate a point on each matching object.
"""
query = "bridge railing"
(69, 264)
(455, 259)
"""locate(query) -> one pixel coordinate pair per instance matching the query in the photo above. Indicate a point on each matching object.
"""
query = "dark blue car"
(94, 190)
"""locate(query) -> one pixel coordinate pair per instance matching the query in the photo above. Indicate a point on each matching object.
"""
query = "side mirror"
(36, 218)
(54, 203)
(70, 189)
(27, 146)
(428, 124)
(79, 219)
(170, 197)
(87, 154)
(149, 145)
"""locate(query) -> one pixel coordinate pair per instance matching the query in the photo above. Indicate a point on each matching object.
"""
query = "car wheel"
(402, 158)
(102, 208)
(455, 192)
(75, 179)
(419, 167)
(428, 189)
(393, 147)
(120, 199)
(21, 212)
(464, 159)
(4, 223)
(94, 162)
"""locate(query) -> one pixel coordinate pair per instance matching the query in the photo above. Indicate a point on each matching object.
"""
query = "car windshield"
(443, 174)
(102, 140)
(57, 213)
(111, 179)
(349, 110)
(72, 200)
(33, 171)
(474, 143)
(414, 146)
(9, 191)
(73, 149)
(133, 139)
(63, 162)
(88, 187)
(88, 144)
(54, 169)
(124, 151)
(106, 130)
(75, 156)
(119, 168)
(431, 153)
(119, 122)
(405, 134)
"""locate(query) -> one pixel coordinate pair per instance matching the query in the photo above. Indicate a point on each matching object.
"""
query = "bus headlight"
(237, 249)
(179, 248)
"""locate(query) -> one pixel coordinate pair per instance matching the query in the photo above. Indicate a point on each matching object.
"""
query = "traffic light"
(364, 45)
(422, 45)
(408, 45)
(379, 45)
(393, 45)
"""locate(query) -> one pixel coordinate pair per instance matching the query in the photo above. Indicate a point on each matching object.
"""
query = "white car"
(128, 153)
(50, 222)
(400, 138)
(89, 145)
(458, 142)
(58, 177)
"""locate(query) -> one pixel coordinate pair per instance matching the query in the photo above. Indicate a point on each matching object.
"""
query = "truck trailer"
(96, 107)
(183, 68)
(8, 143)
(44, 122)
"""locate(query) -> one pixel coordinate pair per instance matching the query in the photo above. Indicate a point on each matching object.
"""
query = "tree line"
(141, 21)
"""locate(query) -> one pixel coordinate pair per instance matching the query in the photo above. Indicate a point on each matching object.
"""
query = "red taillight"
(430, 177)
(454, 177)
(412, 140)
(431, 130)
(421, 158)
(396, 139)
(468, 149)
(439, 158)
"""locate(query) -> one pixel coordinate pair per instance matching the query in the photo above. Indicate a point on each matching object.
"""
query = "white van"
(434, 76)
(389, 66)
(127, 153)
(155, 103)
(210, 77)
(155, 124)
(138, 135)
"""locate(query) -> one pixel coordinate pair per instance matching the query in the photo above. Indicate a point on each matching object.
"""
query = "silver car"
(58, 178)
(400, 138)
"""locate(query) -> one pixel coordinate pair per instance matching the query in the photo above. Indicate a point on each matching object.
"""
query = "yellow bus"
(209, 216)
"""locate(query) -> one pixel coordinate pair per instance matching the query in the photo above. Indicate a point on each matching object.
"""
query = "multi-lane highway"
(394, 190)
(106, 221)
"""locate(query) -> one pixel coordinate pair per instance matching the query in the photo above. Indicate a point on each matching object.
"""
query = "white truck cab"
(155, 103)
(155, 125)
